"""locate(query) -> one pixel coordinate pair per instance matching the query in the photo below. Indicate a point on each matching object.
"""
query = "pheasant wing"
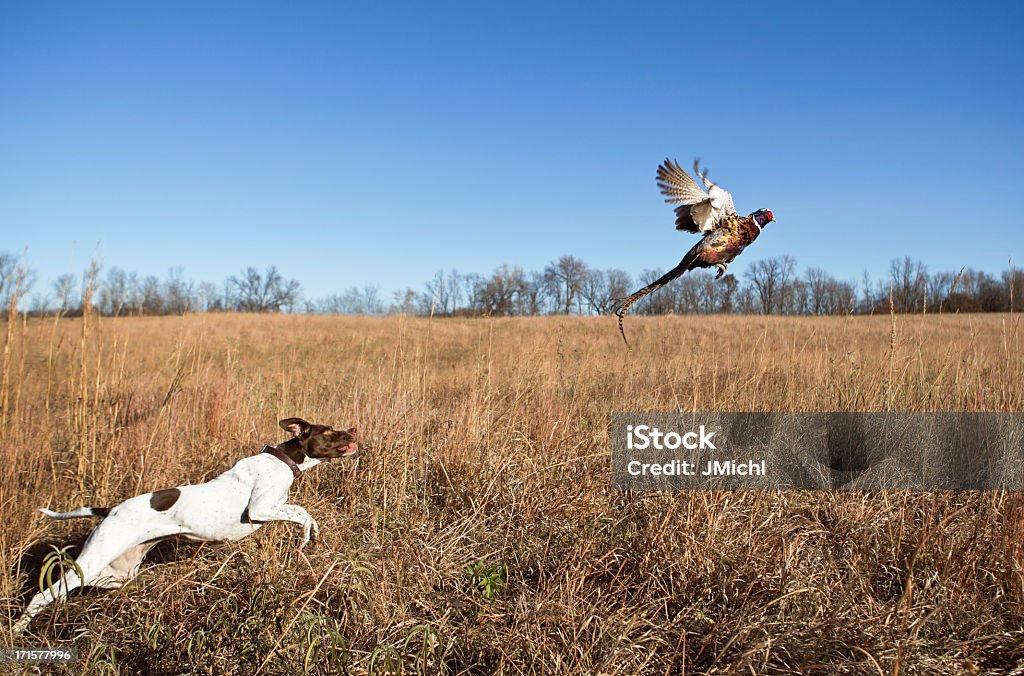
(719, 199)
(699, 211)
(677, 185)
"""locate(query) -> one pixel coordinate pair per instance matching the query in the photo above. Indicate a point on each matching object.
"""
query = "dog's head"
(322, 441)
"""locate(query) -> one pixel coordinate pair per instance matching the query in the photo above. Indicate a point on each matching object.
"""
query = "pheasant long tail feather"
(628, 302)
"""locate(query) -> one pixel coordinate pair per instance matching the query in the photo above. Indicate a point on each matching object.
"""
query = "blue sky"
(352, 143)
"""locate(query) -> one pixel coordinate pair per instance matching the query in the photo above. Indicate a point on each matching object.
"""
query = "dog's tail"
(80, 513)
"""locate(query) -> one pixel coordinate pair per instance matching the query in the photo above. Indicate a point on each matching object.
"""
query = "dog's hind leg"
(97, 552)
(70, 580)
(96, 570)
(110, 557)
(121, 570)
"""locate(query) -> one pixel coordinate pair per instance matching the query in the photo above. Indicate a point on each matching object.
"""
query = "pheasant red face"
(763, 217)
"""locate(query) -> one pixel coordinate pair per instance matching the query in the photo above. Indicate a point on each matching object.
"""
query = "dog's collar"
(283, 457)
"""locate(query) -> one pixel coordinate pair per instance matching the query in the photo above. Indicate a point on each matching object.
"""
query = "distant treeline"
(565, 286)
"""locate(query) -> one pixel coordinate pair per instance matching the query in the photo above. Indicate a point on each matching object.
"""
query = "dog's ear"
(297, 426)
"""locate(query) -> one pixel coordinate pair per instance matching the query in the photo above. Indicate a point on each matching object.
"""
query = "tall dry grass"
(478, 532)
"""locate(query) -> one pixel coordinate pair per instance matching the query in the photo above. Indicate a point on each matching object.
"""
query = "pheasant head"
(762, 217)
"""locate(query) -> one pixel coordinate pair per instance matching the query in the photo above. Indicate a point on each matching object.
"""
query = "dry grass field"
(478, 532)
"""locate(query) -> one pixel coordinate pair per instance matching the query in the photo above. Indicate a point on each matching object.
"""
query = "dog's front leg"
(261, 510)
(293, 513)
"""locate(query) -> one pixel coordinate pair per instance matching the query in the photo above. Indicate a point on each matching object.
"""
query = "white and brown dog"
(228, 507)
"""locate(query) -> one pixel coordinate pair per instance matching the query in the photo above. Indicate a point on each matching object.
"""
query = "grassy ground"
(478, 532)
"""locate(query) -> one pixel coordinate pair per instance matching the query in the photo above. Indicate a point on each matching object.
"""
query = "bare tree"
(689, 293)
(208, 298)
(439, 293)
(15, 275)
(266, 292)
(115, 292)
(603, 289)
(534, 293)
(153, 301)
(370, 301)
(729, 285)
(64, 290)
(817, 281)
(344, 303)
(991, 295)
(455, 289)
(769, 277)
(841, 297)
(352, 301)
(567, 276)
(8, 276)
(178, 292)
(909, 281)
(473, 288)
(406, 302)
(794, 297)
(503, 292)
(868, 301)
(747, 301)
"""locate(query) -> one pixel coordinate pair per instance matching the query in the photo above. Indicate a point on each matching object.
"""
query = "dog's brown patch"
(162, 500)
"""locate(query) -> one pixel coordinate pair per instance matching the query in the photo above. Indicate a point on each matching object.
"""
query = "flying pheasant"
(726, 233)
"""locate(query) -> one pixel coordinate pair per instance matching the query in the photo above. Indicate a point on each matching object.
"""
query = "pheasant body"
(726, 233)
(721, 246)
